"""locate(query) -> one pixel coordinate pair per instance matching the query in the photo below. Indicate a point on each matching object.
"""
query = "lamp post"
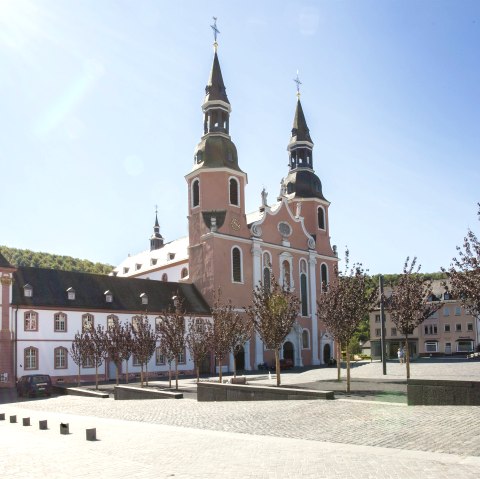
(382, 331)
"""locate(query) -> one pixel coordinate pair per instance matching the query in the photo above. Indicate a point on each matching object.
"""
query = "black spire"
(300, 131)
(215, 89)
(156, 240)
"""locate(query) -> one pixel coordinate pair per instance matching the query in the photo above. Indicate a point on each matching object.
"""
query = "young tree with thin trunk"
(241, 331)
(464, 273)
(79, 351)
(409, 303)
(172, 333)
(114, 339)
(144, 344)
(273, 313)
(126, 346)
(95, 339)
(224, 317)
(198, 341)
(343, 305)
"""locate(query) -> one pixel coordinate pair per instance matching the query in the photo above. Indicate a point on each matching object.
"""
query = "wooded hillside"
(25, 257)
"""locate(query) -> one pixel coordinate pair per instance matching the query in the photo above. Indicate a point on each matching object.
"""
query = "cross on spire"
(298, 82)
(216, 31)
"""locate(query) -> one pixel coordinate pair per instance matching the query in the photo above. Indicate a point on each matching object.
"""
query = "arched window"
(112, 319)
(324, 277)
(30, 358)
(164, 277)
(233, 190)
(184, 273)
(87, 322)
(286, 274)
(236, 265)
(305, 339)
(60, 322)
(321, 217)
(30, 321)
(61, 357)
(195, 193)
(303, 288)
(267, 271)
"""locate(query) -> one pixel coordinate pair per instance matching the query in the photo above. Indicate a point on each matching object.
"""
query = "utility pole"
(382, 335)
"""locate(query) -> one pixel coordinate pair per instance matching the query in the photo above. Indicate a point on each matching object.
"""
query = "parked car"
(34, 385)
(286, 364)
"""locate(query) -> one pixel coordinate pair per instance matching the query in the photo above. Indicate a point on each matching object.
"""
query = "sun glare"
(17, 22)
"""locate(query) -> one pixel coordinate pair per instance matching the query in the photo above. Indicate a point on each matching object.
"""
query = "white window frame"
(308, 339)
(289, 259)
(230, 178)
(30, 355)
(304, 272)
(192, 196)
(60, 358)
(241, 265)
(324, 218)
(60, 318)
(429, 344)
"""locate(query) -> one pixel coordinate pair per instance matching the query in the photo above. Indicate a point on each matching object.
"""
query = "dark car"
(286, 364)
(34, 385)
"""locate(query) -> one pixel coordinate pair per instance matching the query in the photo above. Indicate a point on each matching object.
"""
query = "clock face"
(235, 224)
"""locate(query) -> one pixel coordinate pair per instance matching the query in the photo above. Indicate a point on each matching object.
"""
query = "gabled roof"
(50, 290)
(4, 263)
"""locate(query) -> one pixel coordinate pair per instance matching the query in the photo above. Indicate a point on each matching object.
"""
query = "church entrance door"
(326, 353)
(288, 351)
(240, 359)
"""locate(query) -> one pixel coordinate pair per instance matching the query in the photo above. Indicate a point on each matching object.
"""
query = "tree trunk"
(117, 372)
(126, 371)
(141, 375)
(170, 374)
(220, 361)
(198, 373)
(339, 361)
(234, 365)
(348, 367)
(176, 374)
(79, 374)
(407, 357)
(277, 365)
(146, 374)
(96, 375)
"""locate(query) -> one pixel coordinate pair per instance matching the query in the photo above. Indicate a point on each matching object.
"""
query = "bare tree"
(240, 333)
(126, 346)
(114, 338)
(224, 317)
(198, 341)
(95, 340)
(464, 273)
(409, 303)
(172, 333)
(144, 344)
(343, 305)
(273, 313)
(79, 351)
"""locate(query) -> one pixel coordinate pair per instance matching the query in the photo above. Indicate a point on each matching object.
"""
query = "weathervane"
(216, 31)
(298, 82)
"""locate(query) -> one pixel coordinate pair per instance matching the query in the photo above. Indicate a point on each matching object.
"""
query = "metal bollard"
(43, 425)
(91, 434)
(64, 428)
(26, 421)
(13, 419)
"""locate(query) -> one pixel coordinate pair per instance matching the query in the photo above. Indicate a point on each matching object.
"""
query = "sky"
(100, 113)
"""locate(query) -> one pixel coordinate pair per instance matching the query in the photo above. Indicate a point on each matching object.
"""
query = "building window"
(446, 311)
(184, 273)
(431, 329)
(164, 277)
(458, 327)
(135, 361)
(71, 294)
(60, 322)
(236, 265)
(287, 283)
(144, 298)
(377, 332)
(159, 357)
(321, 217)
(458, 311)
(136, 320)
(267, 271)
(195, 193)
(112, 319)
(30, 321)
(28, 291)
(138, 266)
(31, 358)
(464, 346)
(181, 358)
(469, 326)
(394, 331)
(87, 322)
(153, 261)
(88, 362)
(125, 270)
(233, 192)
(324, 277)
(431, 346)
(305, 339)
(377, 318)
(446, 328)
(61, 356)
(158, 323)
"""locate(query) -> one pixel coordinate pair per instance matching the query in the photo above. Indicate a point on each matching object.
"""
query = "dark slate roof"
(50, 290)
(217, 152)
(215, 89)
(300, 131)
(4, 263)
(305, 184)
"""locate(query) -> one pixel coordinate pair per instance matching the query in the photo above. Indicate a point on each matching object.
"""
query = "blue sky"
(100, 112)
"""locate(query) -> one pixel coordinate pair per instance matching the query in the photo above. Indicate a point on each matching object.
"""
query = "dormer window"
(144, 298)
(71, 294)
(28, 291)
(138, 266)
(108, 296)
(153, 262)
(171, 256)
(125, 270)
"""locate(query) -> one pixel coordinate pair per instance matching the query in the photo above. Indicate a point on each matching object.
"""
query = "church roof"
(215, 89)
(50, 290)
(300, 131)
(4, 263)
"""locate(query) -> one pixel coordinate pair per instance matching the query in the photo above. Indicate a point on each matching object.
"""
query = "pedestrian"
(400, 354)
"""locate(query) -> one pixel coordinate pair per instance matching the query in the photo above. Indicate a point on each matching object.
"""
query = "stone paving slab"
(128, 449)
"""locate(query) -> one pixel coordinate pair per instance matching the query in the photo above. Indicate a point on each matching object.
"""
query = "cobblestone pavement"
(184, 438)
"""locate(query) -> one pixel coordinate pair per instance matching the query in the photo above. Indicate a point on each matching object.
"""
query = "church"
(226, 248)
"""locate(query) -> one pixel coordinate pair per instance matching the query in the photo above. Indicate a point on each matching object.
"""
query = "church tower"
(216, 186)
(156, 240)
(302, 186)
